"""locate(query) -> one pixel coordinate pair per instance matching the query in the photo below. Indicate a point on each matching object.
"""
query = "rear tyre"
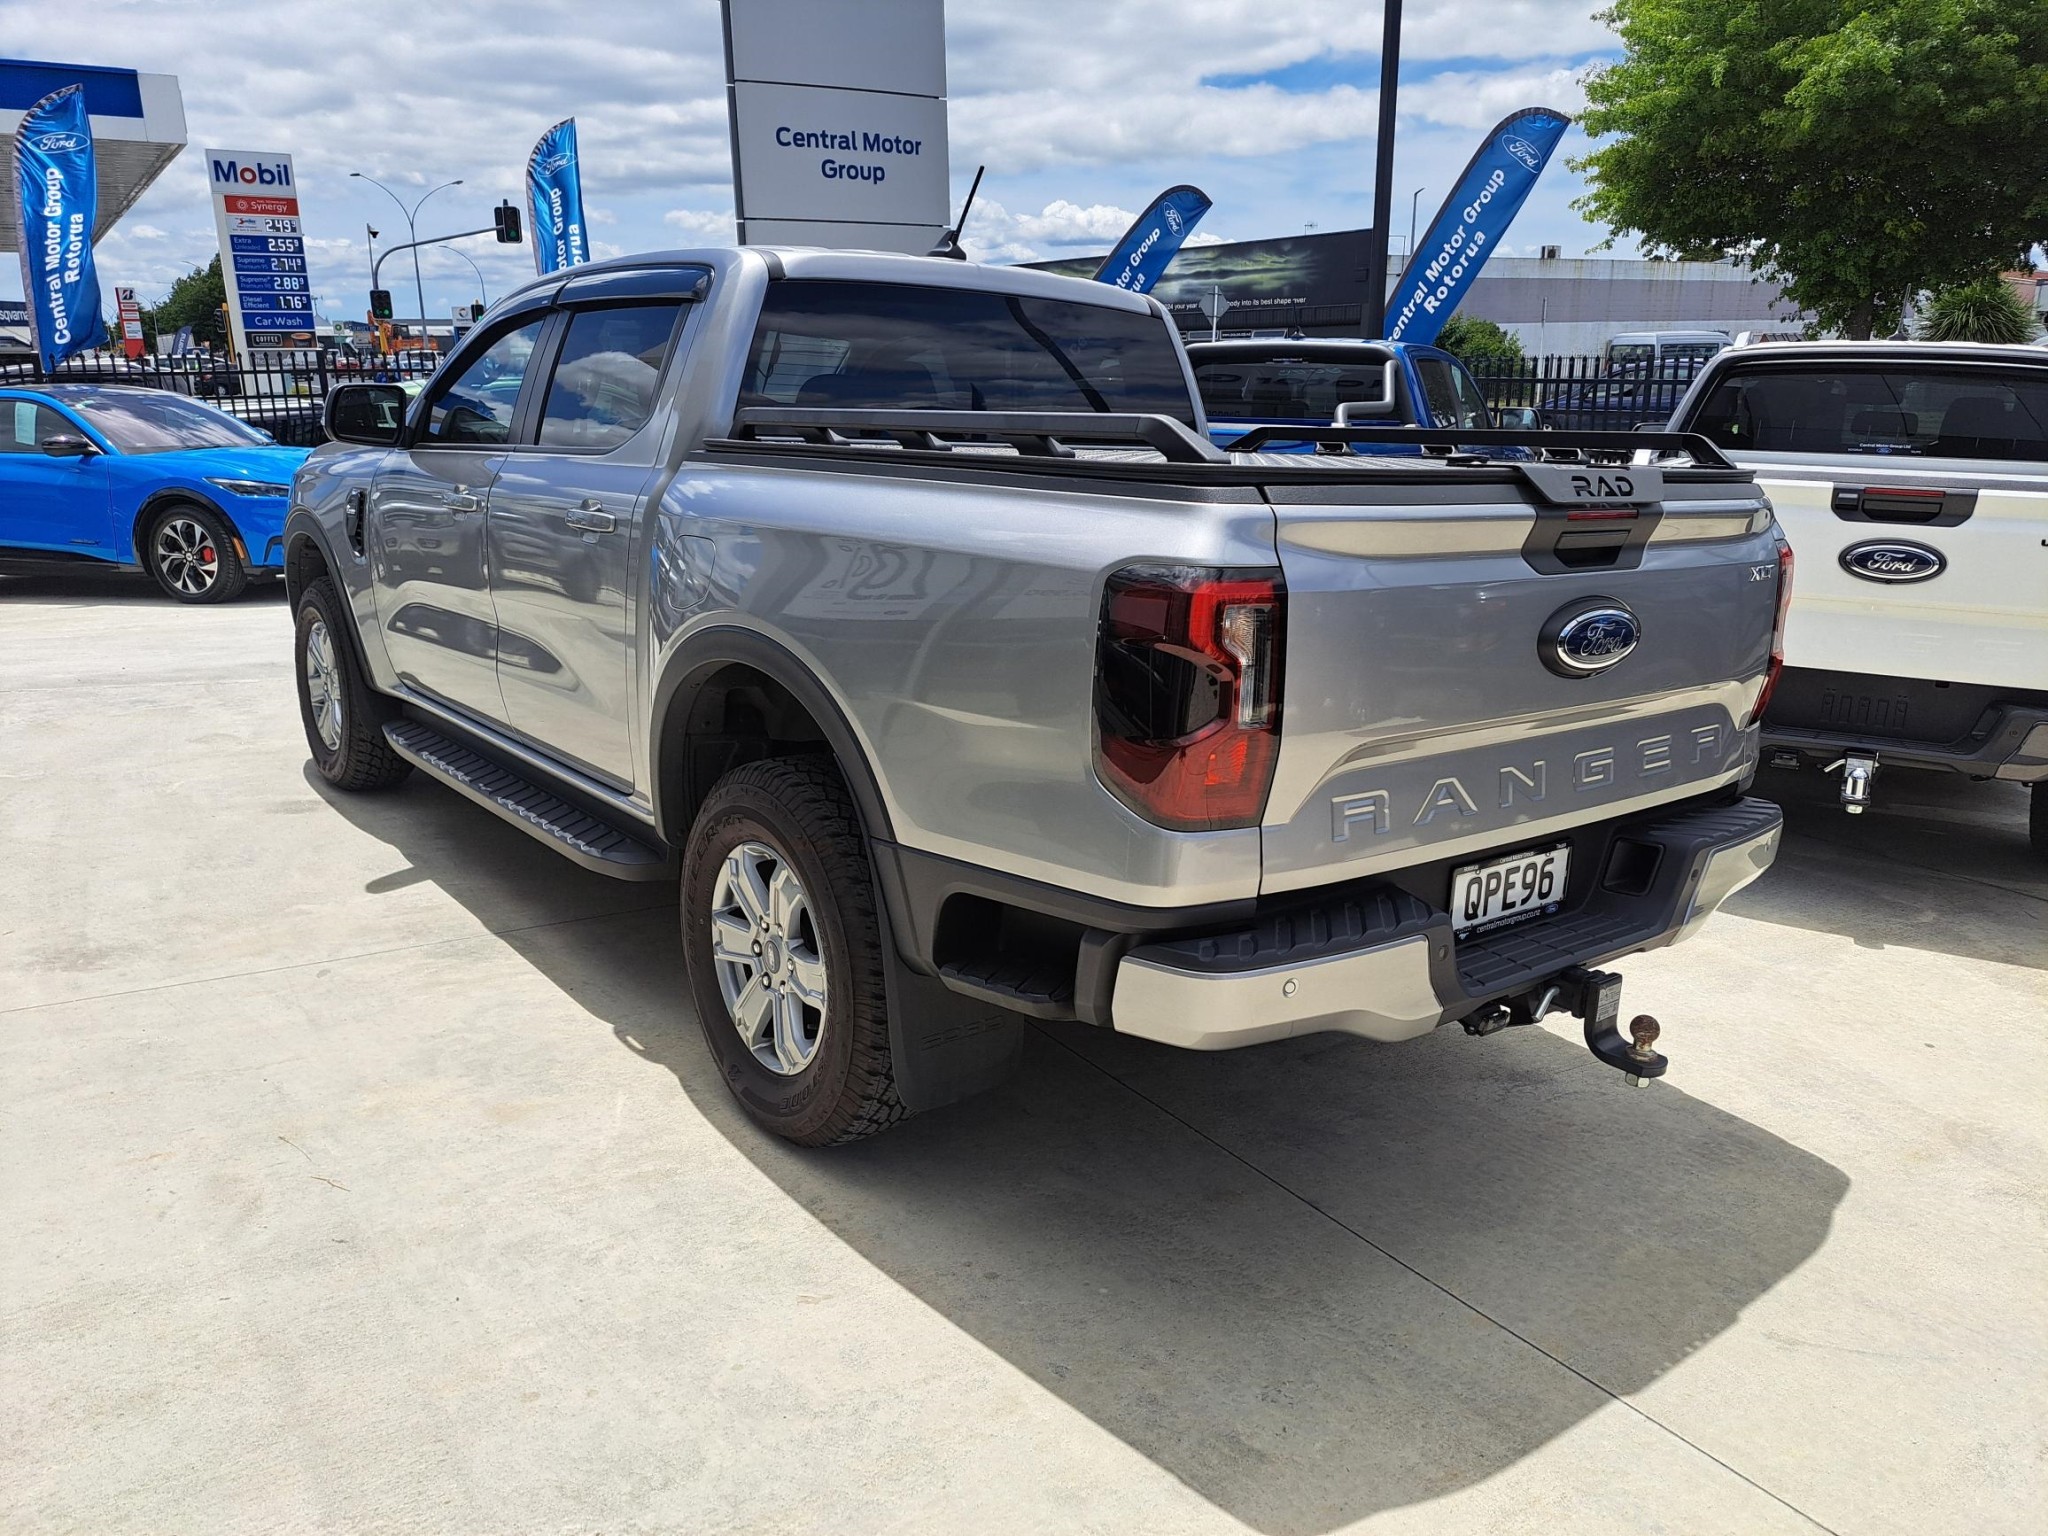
(2037, 819)
(784, 952)
(192, 554)
(344, 718)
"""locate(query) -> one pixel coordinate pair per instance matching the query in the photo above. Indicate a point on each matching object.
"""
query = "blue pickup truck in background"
(1292, 382)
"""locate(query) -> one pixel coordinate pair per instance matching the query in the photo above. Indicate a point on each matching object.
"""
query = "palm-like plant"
(1982, 310)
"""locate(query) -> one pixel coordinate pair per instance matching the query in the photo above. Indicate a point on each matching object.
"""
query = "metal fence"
(1587, 393)
(283, 392)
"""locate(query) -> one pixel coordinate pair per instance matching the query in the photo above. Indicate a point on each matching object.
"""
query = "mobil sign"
(262, 248)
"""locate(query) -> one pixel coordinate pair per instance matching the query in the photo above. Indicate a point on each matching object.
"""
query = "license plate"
(1523, 885)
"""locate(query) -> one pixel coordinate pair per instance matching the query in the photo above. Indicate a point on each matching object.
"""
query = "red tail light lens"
(1187, 693)
(1777, 665)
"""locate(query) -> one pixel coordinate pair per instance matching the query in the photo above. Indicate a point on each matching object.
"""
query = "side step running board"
(566, 828)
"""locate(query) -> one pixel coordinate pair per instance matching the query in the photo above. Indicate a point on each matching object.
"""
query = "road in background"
(363, 1171)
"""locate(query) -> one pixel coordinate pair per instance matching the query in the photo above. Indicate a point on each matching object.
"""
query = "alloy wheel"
(771, 965)
(186, 555)
(323, 685)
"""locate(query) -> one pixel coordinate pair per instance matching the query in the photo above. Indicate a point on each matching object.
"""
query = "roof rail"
(1041, 433)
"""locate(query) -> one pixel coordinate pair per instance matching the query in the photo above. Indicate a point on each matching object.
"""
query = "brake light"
(1777, 631)
(1187, 693)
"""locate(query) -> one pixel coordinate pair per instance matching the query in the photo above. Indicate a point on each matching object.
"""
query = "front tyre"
(191, 552)
(784, 952)
(2037, 819)
(344, 718)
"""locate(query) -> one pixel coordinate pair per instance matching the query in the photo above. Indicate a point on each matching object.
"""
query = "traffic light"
(380, 303)
(509, 232)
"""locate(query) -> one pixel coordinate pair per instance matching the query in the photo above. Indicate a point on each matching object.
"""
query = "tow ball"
(1859, 771)
(1595, 998)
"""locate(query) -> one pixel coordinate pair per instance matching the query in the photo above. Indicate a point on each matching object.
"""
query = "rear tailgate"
(1871, 600)
(1421, 720)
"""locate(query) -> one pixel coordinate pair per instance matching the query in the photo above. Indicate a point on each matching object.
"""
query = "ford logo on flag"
(1588, 637)
(1523, 151)
(1893, 561)
(58, 143)
(1173, 218)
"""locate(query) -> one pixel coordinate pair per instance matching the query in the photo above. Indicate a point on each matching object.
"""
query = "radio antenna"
(949, 242)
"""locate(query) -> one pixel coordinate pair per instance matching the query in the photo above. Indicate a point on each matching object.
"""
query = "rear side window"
(602, 389)
(842, 345)
(1952, 413)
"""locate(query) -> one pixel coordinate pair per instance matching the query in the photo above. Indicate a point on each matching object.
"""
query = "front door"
(53, 505)
(565, 525)
(427, 520)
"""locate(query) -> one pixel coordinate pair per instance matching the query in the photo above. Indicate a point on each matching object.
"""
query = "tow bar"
(1859, 769)
(1595, 998)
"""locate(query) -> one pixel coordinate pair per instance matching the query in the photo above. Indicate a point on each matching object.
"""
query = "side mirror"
(1522, 418)
(67, 445)
(370, 414)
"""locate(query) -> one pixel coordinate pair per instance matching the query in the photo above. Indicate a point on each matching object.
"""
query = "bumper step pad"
(594, 843)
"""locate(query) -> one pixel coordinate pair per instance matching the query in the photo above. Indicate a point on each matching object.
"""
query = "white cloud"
(702, 228)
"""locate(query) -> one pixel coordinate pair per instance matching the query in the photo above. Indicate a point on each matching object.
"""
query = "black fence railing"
(1587, 393)
(281, 392)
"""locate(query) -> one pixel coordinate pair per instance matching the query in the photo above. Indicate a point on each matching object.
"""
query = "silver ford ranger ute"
(901, 610)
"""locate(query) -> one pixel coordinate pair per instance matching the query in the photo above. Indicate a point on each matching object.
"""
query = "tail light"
(1777, 665)
(1187, 693)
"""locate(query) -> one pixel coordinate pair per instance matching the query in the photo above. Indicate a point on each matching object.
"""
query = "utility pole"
(1375, 306)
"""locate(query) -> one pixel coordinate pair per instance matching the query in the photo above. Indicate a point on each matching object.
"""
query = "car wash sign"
(1469, 226)
(262, 248)
(58, 200)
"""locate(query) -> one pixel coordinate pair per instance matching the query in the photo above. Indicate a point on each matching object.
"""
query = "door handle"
(591, 517)
(462, 501)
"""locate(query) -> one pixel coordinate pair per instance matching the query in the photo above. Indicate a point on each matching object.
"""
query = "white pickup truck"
(1912, 481)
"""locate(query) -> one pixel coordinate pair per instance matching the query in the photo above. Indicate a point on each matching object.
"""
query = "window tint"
(1964, 413)
(1473, 410)
(1451, 402)
(477, 406)
(841, 345)
(1286, 389)
(602, 391)
(24, 424)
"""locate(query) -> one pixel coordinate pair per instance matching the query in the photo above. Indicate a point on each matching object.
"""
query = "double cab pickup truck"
(902, 613)
(1912, 481)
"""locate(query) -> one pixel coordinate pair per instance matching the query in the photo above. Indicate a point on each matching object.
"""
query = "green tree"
(1856, 151)
(1473, 340)
(1983, 310)
(196, 299)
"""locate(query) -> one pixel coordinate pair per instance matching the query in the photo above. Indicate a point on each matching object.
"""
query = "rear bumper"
(1977, 729)
(2013, 745)
(1383, 964)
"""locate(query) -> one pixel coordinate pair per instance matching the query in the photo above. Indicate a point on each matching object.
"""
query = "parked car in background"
(108, 474)
(1625, 397)
(1912, 480)
(1661, 348)
(1282, 383)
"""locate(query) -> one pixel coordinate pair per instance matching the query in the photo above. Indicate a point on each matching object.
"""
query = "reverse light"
(250, 487)
(1187, 693)
(1777, 665)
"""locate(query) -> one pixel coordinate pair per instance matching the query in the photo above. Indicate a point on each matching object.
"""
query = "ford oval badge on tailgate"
(1588, 637)
(1893, 560)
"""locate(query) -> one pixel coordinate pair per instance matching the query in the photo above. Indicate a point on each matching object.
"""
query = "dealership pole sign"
(59, 199)
(1471, 222)
(554, 190)
(262, 248)
(1154, 239)
(838, 115)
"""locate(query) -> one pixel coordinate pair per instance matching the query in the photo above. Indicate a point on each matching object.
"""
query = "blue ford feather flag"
(1471, 222)
(1154, 239)
(554, 187)
(53, 176)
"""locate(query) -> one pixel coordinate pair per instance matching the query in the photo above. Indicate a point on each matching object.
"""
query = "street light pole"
(411, 215)
(1411, 220)
(481, 291)
(1375, 306)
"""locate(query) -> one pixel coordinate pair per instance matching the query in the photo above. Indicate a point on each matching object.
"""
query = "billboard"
(1300, 280)
(262, 248)
(838, 116)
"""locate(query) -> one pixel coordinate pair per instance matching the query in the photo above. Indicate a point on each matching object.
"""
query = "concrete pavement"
(363, 1171)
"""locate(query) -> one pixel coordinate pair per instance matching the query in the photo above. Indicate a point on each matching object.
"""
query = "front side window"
(477, 406)
(25, 423)
(847, 345)
(602, 391)
(155, 421)
(1449, 395)
(1932, 412)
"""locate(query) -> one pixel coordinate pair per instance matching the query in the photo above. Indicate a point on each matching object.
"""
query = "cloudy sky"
(1080, 110)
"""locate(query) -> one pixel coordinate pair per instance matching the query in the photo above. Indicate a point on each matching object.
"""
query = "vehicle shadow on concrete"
(86, 586)
(1311, 1281)
(1937, 863)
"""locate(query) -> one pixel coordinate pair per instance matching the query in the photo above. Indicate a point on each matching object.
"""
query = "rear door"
(567, 512)
(428, 554)
(1915, 495)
